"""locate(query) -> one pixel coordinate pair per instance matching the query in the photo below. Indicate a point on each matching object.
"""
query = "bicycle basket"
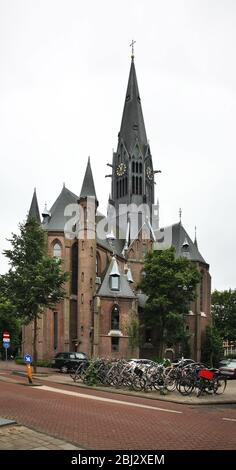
(206, 374)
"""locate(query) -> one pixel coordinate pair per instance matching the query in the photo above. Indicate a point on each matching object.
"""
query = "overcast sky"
(64, 68)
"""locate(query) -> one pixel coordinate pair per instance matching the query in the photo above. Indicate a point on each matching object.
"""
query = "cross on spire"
(132, 45)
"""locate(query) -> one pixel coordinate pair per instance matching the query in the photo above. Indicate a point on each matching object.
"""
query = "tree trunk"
(35, 352)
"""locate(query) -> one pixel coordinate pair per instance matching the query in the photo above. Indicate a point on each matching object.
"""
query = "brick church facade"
(105, 262)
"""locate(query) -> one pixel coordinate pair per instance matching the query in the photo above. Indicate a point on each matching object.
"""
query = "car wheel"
(64, 369)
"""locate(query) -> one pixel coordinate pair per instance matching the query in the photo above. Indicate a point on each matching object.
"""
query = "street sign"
(6, 340)
(6, 345)
(28, 358)
(6, 335)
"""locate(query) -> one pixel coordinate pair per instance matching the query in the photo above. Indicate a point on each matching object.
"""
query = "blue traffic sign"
(28, 358)
(6, 345)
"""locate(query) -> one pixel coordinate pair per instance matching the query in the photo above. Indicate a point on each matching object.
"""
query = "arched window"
(126, 185)
(123, 187)
(140, 167)
(133, 184)
(140, 185)
(115, 318)
(117, 189)
(57, 250)
(136, 167)
(136, 184)
(133, 167)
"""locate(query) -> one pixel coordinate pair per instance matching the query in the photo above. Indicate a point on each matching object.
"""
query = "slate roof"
(88, 188)
(56, 222)
(182, 242)
(34, 208)
(132, 124)
(125, 290)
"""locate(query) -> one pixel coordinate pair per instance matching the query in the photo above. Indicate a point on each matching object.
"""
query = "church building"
(105, 254)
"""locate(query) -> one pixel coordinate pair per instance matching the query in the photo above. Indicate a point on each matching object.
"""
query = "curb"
(150, 397)
(164, 398)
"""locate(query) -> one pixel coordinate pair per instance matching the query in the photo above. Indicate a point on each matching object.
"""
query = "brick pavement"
(91, 424)
(94, 425)
(14, 437)
(46, 374)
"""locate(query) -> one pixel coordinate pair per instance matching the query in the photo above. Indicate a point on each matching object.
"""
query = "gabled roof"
(125, 290)
(88, 188)
(132, 125)
(57, 220)
(34, 209)
(181, 241)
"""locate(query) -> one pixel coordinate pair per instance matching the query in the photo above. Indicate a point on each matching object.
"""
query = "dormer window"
(114, 276)
(114, 282)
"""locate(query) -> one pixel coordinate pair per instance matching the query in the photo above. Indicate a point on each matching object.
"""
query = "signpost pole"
(6, 341)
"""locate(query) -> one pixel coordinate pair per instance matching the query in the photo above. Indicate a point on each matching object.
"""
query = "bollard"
(29, 373)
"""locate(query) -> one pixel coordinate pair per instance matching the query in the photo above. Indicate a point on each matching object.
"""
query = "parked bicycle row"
(186, 376)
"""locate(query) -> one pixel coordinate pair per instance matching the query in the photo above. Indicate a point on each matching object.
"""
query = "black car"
(68, 361)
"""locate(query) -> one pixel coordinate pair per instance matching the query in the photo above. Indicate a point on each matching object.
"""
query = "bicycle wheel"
(220, 386)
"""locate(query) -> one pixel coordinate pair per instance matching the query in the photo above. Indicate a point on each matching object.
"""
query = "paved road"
(97, 420)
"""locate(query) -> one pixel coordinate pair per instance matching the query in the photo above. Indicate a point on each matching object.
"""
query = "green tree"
(224, 313)
(212, 349)
(132, 329)
(35, 281)
(9, 322)
(170, 284)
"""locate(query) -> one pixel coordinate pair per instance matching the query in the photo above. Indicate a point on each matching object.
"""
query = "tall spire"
(88, 188)
(34, 209)
(195, 239)
(132, 124)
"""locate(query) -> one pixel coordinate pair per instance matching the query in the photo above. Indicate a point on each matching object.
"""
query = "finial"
(34, 190)
(180, 215)
(64, 185)
(132, 45)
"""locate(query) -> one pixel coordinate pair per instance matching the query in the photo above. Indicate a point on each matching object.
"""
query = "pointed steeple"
(132, 168)
(34, 209)
(132, 124)
(195, 239)
(88, 188)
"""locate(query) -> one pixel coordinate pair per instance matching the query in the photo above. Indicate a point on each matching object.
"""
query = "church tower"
(132, 169)
(86, 261)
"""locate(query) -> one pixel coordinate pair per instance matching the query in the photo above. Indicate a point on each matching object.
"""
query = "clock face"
(121, 169)
(149, 173)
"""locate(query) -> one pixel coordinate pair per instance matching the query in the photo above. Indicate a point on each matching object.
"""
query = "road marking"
(108, 400)
(229, 419)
